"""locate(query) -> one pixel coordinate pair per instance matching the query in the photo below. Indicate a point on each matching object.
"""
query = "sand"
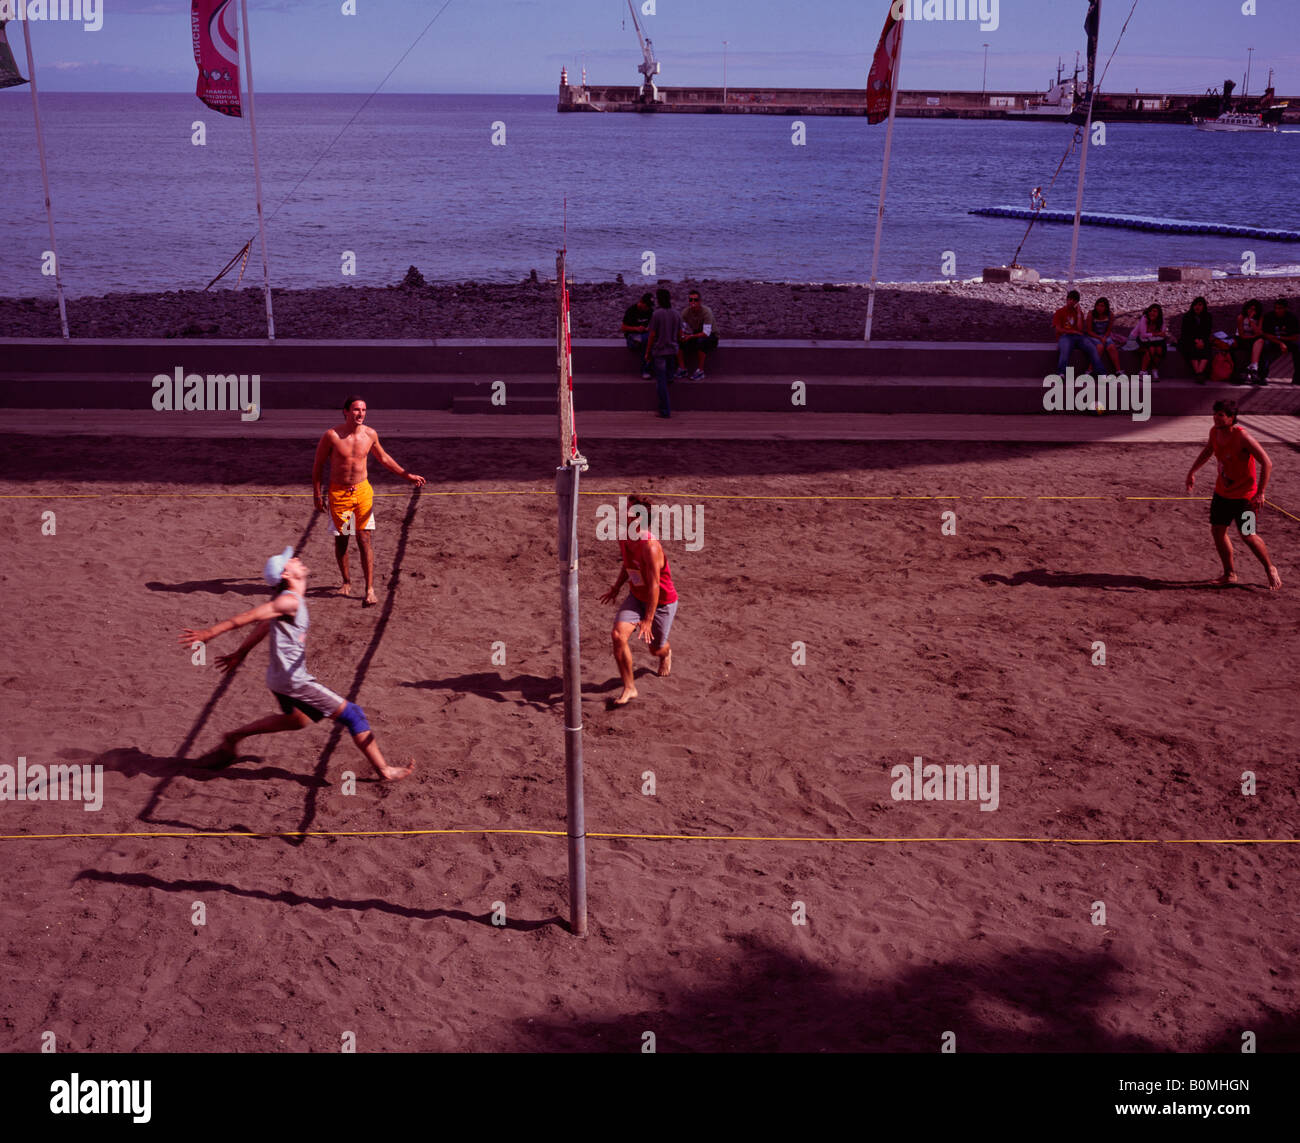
(968, 648)
(959, 311)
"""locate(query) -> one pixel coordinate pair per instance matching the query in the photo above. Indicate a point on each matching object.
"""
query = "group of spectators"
(1259, 340)
(674, 344)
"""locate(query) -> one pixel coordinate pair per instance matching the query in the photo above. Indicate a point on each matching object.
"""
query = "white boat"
(1057, 103)
(1235, 121)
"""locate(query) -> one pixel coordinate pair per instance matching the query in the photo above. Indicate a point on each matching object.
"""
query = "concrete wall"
(44, 357)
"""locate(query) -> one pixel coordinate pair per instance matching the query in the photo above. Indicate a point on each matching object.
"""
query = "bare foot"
(219, 758)
(1274, 580)
(346, 589)
(393, 773)
(370, 599)
(627, 695)
(666, 665)
(1227, 578)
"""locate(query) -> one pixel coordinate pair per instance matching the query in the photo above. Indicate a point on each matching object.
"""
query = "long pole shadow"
(336, 733)
(292, 899)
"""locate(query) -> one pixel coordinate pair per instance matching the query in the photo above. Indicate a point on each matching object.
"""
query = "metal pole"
(1078, 197)
(257, 171)
(566, 492)
(45, 178)
(984, 85)
(884, 180)
(724, 72)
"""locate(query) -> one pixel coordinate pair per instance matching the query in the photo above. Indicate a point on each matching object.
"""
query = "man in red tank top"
(1238, 492)
(651, 604)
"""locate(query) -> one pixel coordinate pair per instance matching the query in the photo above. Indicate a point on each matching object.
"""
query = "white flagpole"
(257, 171)
(45, 176)
(1083, 157)
(1078, 198)
(884, 178)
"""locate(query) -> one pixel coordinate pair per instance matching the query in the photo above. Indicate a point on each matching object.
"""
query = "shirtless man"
(302, 697)
(1238, 492)
(351, 499)
(651, 604)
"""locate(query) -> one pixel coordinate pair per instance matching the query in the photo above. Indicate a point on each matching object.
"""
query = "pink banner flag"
(880, 80)
(216, 51)
(9, 75)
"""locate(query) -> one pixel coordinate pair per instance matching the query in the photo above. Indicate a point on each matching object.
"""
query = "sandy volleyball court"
(970, 648)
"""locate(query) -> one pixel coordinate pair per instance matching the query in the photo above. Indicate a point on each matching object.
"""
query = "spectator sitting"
(1067, 324)
(1249, 338)
(636, 329)
(1100, 326)
(1281, 335)
(1196, 339)
(699, 334)
(1152, 338)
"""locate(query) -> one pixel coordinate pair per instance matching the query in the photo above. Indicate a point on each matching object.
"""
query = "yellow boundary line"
(606, 495)
(677, 837)
(548, 492)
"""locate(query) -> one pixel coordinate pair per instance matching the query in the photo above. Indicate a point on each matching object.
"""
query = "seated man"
(1067, 324)
(636, 328)
(699, 335)
(1281, 336)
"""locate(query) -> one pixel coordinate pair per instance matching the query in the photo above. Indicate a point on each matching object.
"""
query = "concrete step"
(519, 394)
(504, 357)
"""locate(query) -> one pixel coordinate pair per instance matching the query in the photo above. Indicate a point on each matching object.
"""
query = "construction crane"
(649, 65)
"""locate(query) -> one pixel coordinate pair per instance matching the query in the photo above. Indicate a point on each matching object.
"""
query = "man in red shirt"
(1067, 324)
(651, 604)
(1238, 492)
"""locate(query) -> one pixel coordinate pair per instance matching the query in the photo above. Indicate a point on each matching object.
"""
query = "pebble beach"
(924, 311)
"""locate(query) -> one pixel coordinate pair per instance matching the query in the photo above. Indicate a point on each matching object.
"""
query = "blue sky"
(519, 45)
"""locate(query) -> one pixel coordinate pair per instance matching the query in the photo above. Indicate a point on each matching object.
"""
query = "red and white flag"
(880, 80)
(216, 51)
(569, 446)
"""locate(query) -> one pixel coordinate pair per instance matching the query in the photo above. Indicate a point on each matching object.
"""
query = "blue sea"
(417, 180)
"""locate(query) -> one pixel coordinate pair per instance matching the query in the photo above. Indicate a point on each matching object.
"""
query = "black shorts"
(1224, 512)
(701, 345)
(288, 705)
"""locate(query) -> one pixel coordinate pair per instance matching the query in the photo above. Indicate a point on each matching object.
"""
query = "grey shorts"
(632, 610)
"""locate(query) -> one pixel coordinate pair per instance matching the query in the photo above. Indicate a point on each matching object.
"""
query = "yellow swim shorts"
(352, 505)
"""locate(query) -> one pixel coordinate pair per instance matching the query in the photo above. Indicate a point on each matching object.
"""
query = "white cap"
(273, 573)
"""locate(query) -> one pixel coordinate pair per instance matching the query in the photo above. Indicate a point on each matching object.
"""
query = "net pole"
(45, 179)
(566, 490)
(567, 478)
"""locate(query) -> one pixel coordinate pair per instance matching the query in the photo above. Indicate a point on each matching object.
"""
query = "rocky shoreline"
(943, 311)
